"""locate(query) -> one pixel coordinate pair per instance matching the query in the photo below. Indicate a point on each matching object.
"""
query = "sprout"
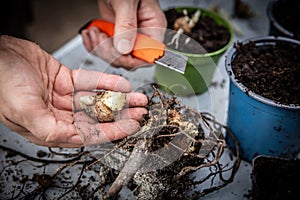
(184, 25)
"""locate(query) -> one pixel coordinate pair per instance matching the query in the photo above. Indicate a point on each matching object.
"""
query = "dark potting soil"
(275, 179)
(287, 13)
(272, 71)
(206, 33)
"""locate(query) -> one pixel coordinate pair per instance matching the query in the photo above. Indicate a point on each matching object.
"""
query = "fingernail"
(124, 46)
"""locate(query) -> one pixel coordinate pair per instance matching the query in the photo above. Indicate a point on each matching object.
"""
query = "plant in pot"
(202, 36)
(284, 18)
(264, 96)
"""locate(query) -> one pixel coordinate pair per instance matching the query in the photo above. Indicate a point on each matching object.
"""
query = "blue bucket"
(261, 126)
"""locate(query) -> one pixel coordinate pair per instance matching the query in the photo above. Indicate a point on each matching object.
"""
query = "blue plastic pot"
(261, 126)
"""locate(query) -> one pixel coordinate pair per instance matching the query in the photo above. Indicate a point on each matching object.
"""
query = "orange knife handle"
(148, 49)
(145, 48)
(104, 26)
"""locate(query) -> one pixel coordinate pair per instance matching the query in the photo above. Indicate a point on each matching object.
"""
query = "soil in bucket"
(272, 71)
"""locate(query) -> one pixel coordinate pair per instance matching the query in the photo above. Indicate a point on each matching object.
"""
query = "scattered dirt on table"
(206, 32)
(272, 71)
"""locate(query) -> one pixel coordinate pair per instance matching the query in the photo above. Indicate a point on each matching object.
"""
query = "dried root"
(174, 142)
(157, 162)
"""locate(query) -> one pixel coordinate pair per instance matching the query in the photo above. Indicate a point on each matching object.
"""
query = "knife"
(146, 48)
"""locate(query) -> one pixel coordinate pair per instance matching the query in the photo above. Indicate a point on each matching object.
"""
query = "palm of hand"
(38, 103)
(37, 98)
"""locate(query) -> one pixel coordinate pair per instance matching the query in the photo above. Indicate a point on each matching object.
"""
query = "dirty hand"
(36, 97)
(127, 17)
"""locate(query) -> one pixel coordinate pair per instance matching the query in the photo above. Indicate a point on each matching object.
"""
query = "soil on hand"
(206, 33)
(287, 13)
(272, 71)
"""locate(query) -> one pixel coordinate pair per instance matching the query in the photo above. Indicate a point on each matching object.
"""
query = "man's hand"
(37, 98)
(129, 17)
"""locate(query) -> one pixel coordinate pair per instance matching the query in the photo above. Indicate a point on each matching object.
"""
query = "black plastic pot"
(275, 178)
(284, 18)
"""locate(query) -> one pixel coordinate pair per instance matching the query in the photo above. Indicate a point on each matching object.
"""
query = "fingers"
(125, 24)
(128, 113)
(92, 132)
(134, 99)
(88, 80)
(64, 135)
(101, 45)
(88, 40)
(152, 19)
(105, 132)
(86, 131)
(132, 113)
(127, 16)
(93, 37)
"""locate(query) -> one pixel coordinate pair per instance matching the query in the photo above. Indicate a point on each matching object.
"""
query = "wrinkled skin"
(37, 98)
(127, 17)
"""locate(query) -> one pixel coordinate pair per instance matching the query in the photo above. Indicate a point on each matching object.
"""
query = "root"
(175, 38)
(133, 164)
(184, 25)
(154, 163)
(181, 122)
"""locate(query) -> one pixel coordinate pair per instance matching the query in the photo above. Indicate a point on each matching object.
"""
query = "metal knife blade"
(173, 61)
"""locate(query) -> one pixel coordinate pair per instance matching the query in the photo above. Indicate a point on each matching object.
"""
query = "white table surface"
(214, 101)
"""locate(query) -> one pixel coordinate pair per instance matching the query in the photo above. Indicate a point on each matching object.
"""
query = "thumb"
(125, 24)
